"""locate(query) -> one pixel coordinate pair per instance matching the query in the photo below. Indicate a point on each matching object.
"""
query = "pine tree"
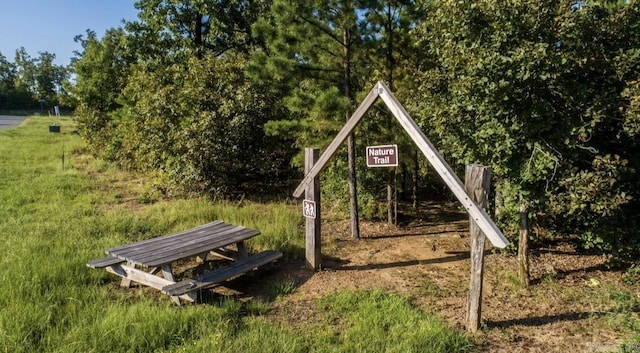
(313, 51)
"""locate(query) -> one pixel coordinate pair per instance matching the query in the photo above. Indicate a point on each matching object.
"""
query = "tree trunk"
(390, 198)
(523, 244)
(351, 149)
(391, 205)
(498, 203)
(353, 186)
(395, 197)
(414, 187)
(198, 42)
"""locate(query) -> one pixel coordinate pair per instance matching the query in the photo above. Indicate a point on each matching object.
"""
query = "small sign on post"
(382, 156)
(309, 208)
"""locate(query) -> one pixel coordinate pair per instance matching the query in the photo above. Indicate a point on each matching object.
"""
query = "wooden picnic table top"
(166, 249)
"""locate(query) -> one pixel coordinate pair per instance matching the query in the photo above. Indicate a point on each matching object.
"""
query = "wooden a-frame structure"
(380, 90)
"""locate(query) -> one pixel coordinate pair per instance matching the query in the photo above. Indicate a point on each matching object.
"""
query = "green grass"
(55, 216)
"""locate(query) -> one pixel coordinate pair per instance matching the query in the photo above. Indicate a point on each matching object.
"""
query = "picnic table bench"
(142, 261)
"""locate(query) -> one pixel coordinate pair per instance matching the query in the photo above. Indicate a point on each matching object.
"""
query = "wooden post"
(477, 185)
(523, 244)
(312, 226)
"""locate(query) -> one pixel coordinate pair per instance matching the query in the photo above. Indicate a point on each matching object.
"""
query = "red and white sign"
(382, 156)
(309, 208)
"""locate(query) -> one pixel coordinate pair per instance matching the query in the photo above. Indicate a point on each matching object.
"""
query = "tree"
(102, 72)
(214, 27)
(166, 95)
(313, 52)
(391, 54)
(25, 78)
(531, 89)
(8, 93)
(48, 78)
(199, 126)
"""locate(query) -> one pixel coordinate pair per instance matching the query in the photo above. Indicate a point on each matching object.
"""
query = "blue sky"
(50, 25)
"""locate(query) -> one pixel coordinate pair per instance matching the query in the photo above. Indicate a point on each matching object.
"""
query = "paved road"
(7, 121)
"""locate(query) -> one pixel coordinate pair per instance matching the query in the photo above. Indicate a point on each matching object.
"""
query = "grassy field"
(61, 208)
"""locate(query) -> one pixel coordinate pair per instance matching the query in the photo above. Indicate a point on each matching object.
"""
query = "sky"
(51, 25)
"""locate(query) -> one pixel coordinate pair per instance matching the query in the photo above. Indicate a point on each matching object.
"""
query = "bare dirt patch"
(566, 308)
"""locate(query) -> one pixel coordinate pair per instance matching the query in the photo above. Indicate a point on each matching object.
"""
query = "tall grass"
(55, 215)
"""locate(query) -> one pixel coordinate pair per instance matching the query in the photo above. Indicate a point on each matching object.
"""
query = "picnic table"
(145, 260)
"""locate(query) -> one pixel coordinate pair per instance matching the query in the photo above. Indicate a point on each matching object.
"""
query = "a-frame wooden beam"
(447, 174)
(337, 141)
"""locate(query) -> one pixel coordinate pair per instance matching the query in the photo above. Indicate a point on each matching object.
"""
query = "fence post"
(477, 184)
(312, 225)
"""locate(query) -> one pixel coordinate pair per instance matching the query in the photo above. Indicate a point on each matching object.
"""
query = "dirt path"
(565, 308)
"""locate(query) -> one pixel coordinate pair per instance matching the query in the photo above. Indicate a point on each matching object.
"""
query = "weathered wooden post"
(311, 210)
(477, 184)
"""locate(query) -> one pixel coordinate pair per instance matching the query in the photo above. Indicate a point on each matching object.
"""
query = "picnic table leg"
(242, 251)
(126, 282)
(202, 257)
(168, 275)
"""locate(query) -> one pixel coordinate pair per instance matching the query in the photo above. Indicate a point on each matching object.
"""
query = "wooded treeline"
(29, 84)
(216, 96)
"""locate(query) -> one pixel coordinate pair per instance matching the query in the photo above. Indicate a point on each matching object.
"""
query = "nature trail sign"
(382, 156)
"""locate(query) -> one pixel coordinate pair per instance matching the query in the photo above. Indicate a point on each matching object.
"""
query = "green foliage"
(11, 97)
(203, 27)
(198, 124)
(281, 288)
(29, 83)
(167, 95)
(315, 75)
(102, 71)
(378, 322)
(544, 93)
(632, 276)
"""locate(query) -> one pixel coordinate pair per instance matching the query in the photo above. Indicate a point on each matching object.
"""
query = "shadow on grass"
(455, 256)
(451, 232)
(264, 284)
(561, 274)
(542, 320)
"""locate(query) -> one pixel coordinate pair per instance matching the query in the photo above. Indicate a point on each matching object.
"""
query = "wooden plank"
(181, 241)
(131, 273)
(169, 255)
(477, 184)
(159, 239)
(167, 273)
(313, 225)
(222, 274)
(104, 262)
(440, 165)
(151, 254)
(337, 141)
(170, 240)
(226, 254)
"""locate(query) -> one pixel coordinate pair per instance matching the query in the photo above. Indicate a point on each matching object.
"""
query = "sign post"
(477, 184)
(41, 101)
(311, 211)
